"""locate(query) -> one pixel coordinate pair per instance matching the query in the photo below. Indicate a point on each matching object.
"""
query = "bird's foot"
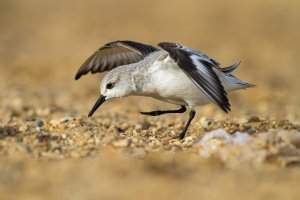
(180, 136)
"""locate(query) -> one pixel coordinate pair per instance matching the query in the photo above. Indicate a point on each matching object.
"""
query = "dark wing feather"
(114, 54)
(231, 68)
(199, 68)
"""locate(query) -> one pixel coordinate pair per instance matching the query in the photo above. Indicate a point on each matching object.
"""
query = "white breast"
(171, 84)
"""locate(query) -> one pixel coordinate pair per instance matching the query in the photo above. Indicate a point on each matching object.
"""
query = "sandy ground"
(49, 149)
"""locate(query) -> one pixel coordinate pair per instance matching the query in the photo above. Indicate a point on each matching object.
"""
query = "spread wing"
(199, 68)
(114, 54)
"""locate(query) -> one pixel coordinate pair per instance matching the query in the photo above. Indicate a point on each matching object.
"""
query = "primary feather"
(115, 54)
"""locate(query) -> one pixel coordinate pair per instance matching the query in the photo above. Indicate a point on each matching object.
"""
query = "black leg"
(191, 117)
(160, 112)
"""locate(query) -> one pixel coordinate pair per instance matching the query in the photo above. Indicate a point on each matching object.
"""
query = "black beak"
(97, 105)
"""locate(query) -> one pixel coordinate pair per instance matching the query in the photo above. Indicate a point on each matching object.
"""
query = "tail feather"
(247, 85)
(239, 84)
(231, 68)
(229, 81)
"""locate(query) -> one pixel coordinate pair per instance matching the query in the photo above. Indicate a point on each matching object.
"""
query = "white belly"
(172, 85)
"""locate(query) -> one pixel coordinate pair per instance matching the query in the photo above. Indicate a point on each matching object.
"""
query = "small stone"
(39, 123)
(122, 143)
(220, 134)
(119, 130)
(190, 140)
(251, 131)
(247, 126)
(205, 122)
(54, 122)
(253, 119)
(23, 128)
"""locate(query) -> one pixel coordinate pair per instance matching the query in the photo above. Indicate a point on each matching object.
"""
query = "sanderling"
(176, 74)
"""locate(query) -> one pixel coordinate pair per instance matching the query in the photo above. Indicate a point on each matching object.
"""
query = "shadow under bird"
(175, 74)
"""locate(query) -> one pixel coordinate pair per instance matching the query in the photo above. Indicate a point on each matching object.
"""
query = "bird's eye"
(109, 85)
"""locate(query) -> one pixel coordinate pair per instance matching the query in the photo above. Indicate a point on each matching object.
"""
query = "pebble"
(39, 123)
(23, 128)
(205, 122)
(190, 140)
(253, 119)
(122, 143)
(251, 131)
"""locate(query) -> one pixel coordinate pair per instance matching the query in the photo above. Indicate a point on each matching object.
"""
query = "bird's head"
(116, 83)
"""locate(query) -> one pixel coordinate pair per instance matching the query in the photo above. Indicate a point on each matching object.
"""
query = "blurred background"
(43, 43)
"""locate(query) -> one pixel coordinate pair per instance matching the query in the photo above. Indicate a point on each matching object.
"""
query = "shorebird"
(175, 74)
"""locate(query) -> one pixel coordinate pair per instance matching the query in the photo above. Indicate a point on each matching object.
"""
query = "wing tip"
(77, 76)
(224, 104)
(81, 72)
(226, 108)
